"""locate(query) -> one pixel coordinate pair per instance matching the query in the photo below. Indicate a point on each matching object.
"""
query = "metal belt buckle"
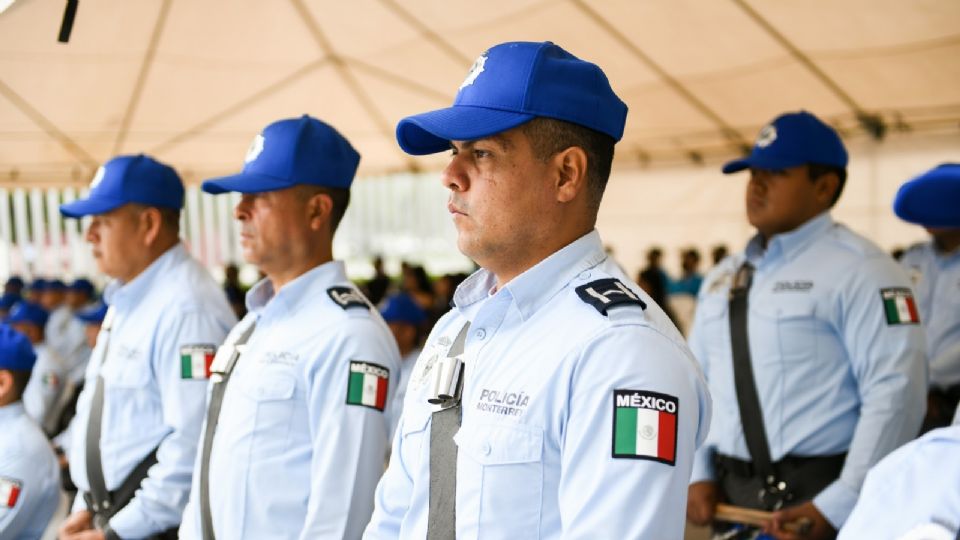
(774, 494)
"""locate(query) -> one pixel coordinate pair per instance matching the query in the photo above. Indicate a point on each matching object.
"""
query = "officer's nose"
(242, 210)
(91, 235)
(454, 175)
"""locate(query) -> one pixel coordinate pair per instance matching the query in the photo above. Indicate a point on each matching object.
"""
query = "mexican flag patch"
(899, 306)
(195, 361)
(645, 426)
(9, 492)
(367, 385)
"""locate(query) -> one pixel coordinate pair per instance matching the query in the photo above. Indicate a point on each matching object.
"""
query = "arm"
(623, 497)
(163, 494)
(888, 362)
(392, 498)
(350, 442)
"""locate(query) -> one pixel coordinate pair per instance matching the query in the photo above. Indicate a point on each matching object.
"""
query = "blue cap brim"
(89, 207)
(431, 132)
(244, 183)
(760, 162)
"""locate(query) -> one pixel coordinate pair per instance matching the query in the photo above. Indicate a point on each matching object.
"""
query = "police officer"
(555, 399)
(913, 492)
(934, 267)
(139, 415)
(49, 371)
(808, 340)
(29, 475)
(299, 418)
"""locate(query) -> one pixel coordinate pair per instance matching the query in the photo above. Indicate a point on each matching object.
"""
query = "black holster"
(803, 479)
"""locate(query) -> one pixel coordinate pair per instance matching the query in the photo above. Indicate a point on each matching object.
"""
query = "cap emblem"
(767, 135)
(475, 70)
(255, 148)
(98, 177)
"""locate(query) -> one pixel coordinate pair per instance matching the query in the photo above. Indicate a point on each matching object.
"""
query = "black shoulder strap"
(225, 360)
(751, 415)
(99, 495)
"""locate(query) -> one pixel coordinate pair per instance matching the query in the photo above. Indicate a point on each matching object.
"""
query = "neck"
(507, 272)
(151, 254)
(947, 241)
(281, 277)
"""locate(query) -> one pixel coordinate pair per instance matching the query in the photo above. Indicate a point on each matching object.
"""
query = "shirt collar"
(789, 244)
(538, 284)
(296, 292)
(122, 294)
(12, 411)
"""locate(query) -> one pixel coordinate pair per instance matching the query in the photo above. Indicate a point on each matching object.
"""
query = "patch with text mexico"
(367, 385)
(645, 425)
(899, 306)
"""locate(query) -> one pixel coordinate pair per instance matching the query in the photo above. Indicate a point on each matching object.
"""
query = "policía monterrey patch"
(9, 492)
(899, 306)
(195, 360)
(367, 385)
(645, 425)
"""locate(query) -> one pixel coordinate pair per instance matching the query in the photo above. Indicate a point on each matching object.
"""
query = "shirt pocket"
(714, 326)
(796, 328)
(510, 461)
(128, 396)
(272, 392)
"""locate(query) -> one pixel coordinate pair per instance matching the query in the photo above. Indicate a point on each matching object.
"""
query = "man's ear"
(6, 386)
(151, 222)
(571, 172)
(319, 210)
(826, 187)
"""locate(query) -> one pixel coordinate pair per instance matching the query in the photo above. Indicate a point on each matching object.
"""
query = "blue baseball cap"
(129, 179)
(56, 285)
(289, 152)
(16, 352)
(931, 199)
(39, 284)
(14, 281)
(82, 285)
(7, 300)
(28, 312)
(93, 314)
(511, 84)
(401, 308)
(791, 140)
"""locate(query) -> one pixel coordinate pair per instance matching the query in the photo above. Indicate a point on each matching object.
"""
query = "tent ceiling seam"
(141, 81)
(240, 105)
(728, 131)
(427, 32)
(47, 126)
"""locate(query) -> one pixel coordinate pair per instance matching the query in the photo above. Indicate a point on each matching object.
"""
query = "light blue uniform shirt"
(936, 281)
(831, 373)
(535, 450)
(916, 485)
(291, 458)
(65, 334)
(173, 304)
(47, 381)
(28, 466)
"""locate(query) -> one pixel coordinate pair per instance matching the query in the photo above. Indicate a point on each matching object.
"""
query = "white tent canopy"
(192, 81)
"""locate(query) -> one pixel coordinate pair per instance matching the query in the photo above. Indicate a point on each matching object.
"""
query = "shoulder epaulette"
(347, 297)
(604, 294)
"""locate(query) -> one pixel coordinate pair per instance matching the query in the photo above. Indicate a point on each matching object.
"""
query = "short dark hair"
(170, 217)
(20, 379)
(548, 136)
(816, 170)
(339, 196)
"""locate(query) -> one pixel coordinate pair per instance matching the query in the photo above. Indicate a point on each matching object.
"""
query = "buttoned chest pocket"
(797, 328)
(127, 391)
(509, 460)
(272, 392)
(415, 440)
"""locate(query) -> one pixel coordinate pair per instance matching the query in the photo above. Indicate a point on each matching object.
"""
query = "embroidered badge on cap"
(367, 385)
(475, 70)
(604, 294)
(9, 492)
(347, 297)
(766, 136)
(645, 426)
(195, 360)
(256, 147)
(899, 306)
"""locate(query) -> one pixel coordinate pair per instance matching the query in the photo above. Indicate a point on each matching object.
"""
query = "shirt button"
(481, 333)
(485, 449)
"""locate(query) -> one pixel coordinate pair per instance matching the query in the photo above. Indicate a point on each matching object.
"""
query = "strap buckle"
(774, 494)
